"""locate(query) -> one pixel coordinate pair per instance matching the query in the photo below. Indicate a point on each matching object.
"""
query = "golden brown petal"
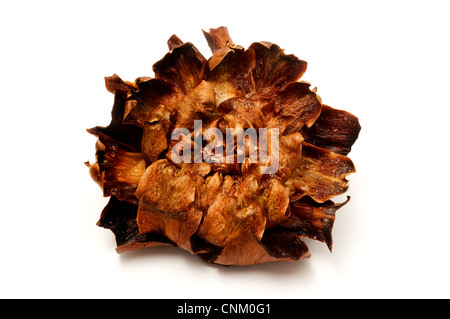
(199, 104)
(182, 67)
(273, 68)
(247, 249)
(213, 188)
(230, 72)
(178, 227)
(274, 201)
(290, 154)
(225, 221)
(217, 38)
(294, 107)
(166, 203)
(119, 170)
(321, 174)
(334, 130)
(166, 187)
(242, 112)
(114, 83)
(154, 139)
(174, 42)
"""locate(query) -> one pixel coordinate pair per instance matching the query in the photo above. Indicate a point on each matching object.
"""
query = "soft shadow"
(153, 254)
(276, 268)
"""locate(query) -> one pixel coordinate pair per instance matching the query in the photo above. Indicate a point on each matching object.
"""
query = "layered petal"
(178, 227)
(274, 201)
(154, 139)
(218, 38)
(120, 217)
(128, 135)
(150, 94)
(321, 174)
(274, 68)
(199, 104)
(247, 250)
(312, 220)
(230, 72)
(226, 220)
(335, 130)
(166, 202)
(182, 67)
(292, 108)
(118, 171)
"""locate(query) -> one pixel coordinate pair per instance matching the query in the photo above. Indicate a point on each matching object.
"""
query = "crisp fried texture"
(235, 210)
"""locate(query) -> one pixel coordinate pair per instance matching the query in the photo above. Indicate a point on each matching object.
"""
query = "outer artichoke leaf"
(120, 217)
(150, 94)
(127, 135)
(218, 38)
(334, 130)
(119, 169)
(247, 249)
(321, 174)
(293, 107)
(310, 219)
(182, 66)
(230, 72)
(274, 68)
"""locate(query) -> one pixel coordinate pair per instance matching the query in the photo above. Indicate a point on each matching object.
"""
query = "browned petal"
(128, 135)
(120, 217)
(217, 38)
(167, 188)
(197, 105)
(114, 83)
(247, 249)
(154, 139)
(244, 112)
(313, 220)
(334, 130)
(166, 202)
(275, 201)
(294, 107)
(321, 174)
(230, 71)
(178, 227)
(214, 187)
(150, 94)
(120, 170)
(289, 154)
(225, 221)
(182, 67)
(174, 42)
(273, 68)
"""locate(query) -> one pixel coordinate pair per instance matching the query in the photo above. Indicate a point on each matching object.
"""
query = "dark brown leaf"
(120, 217)
(321, 174)
(273, 68)
(182, 67)
(217, 38)
(334, 130)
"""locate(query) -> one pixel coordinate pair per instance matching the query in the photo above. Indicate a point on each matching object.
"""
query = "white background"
(386, 62)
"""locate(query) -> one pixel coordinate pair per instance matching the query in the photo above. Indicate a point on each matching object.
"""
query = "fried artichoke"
(228, 210)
